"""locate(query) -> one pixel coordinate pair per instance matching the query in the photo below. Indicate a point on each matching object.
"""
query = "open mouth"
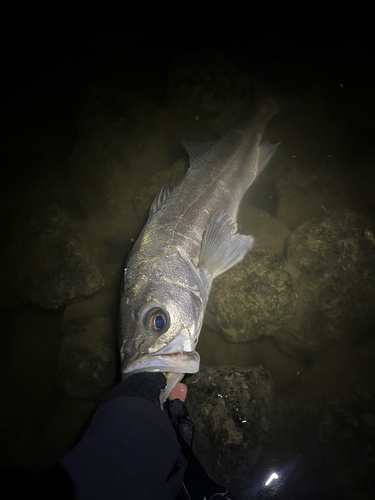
(174, 365)
(176, 362)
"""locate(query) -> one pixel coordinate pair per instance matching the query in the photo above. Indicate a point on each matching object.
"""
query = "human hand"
(178, 392)
(146, 385)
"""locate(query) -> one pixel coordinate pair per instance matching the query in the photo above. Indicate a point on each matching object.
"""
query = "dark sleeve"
(130, 451)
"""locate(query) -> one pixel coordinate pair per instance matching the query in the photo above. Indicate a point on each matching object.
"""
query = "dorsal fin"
(159, 199)
(198, 151)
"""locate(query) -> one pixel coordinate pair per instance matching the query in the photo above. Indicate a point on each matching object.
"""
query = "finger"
(178, 392)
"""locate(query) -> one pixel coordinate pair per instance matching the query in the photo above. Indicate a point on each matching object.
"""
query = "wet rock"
(332, 263)
(269, 233)
(50, 261)
(88, 356)
(232, 409)
(254, 298)
(143, 199)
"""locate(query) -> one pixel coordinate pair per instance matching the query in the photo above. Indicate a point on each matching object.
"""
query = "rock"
(269, 233)
(331, 260)
(231, 408)
(254, 298)
(143, 199)
(50, 261)
(88, 356)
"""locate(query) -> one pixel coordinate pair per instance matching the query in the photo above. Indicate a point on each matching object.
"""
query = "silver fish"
(190, 238)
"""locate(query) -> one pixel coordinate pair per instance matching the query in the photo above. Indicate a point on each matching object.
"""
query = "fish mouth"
(174, 360)
(177, 362)
(174, 366)
(178, 356)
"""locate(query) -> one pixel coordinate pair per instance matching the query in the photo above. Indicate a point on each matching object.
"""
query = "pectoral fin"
(222, 247)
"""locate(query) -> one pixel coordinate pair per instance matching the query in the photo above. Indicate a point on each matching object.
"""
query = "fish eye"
(156, 320)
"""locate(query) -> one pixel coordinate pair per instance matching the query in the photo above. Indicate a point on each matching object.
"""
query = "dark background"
(51, 54)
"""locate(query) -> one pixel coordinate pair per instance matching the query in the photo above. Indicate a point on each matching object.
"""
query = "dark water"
(62, 73)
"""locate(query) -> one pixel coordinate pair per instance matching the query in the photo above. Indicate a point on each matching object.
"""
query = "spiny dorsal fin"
(198, 151)
(159, 199)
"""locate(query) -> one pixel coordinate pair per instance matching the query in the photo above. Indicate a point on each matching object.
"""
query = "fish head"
(161, 315)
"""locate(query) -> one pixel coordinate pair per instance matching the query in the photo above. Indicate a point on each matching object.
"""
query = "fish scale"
(189, 238)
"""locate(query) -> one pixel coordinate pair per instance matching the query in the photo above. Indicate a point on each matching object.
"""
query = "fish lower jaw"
(177, 362)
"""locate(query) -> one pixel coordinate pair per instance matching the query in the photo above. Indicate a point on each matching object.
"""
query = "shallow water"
(39, 421)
